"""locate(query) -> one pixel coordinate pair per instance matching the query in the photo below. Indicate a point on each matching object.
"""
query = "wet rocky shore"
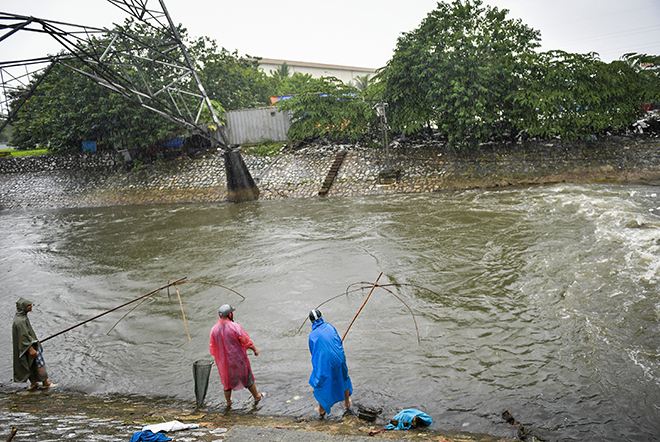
(422, 166)
(60, 415)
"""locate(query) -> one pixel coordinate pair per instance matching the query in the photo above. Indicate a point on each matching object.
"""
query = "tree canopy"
(475, 75)
(575, 96)
(235, 82)
(68, 108)
(459, 70)
(328, 108)
(467, 70)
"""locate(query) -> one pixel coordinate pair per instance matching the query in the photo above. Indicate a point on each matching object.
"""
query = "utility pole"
(389, 174)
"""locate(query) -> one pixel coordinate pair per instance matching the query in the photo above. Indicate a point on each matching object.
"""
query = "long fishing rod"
(181, 303)
(404, 303)
(331, 299)
(362, 306)
(394, 284)
(113, 309)
(382, 286)
(211, 283)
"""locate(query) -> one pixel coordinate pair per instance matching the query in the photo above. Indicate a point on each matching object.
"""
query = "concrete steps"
(332, 173)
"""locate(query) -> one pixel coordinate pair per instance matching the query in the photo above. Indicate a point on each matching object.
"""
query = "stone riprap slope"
(95, 180)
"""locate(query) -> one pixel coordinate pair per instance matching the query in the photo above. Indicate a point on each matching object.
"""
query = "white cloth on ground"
(167, 427)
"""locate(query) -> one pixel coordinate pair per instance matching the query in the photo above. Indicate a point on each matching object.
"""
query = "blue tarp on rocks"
(175, 142)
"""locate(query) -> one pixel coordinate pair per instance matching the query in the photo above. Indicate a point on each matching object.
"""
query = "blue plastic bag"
(405, 419)
(148, 436)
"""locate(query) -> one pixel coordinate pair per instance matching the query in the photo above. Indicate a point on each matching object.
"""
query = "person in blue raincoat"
(329, 377)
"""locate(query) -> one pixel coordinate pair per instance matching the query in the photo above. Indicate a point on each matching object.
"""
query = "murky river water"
(544, 301)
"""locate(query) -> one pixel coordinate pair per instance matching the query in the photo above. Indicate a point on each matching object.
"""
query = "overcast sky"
(359, 33)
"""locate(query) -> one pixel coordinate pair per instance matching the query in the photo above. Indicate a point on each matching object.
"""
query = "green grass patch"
(23, 153)
(268, 148)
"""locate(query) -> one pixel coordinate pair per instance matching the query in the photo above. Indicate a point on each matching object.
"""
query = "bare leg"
(228, 397)
(347, 400)
(34, 382)
(255, 394)
(321, 411)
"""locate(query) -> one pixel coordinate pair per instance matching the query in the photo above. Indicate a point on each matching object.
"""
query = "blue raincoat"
(329, 374)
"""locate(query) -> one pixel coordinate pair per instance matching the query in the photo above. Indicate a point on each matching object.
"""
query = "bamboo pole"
(384, 287)
(211, 283)
(134, 307)
(14, 430)
(168, 295)
(328, 300)
(361, 307)
(182, 312)
(113, 309)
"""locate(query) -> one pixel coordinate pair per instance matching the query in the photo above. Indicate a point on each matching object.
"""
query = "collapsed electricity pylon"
(131, 65)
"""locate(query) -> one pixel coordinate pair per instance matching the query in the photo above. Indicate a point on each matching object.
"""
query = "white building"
(317, 70)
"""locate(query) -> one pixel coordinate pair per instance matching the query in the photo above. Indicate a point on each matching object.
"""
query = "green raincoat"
(23, 337)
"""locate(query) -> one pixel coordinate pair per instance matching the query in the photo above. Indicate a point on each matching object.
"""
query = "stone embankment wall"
(49, 163)
(100, 179)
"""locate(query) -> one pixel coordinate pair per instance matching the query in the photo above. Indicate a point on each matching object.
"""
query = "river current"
(540, 300)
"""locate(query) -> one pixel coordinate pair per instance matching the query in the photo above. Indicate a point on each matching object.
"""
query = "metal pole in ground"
(389, 174)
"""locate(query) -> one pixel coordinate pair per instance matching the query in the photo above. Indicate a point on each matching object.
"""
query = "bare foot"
(33, 386)
(47, 384)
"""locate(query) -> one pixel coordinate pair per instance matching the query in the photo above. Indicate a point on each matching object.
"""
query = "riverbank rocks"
(102, 179)
(106, 161)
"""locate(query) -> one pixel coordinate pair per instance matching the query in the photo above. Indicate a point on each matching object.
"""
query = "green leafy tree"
(575, 96)
(328, 108)
(295, 84)
(235, 82)
(206, 117)
(648, 67)
(459, 70)
(68, 108)
(281, 71)
(362, 82)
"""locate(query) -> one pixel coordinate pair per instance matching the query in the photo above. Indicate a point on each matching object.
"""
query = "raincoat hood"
(317, 323)
(21, 305)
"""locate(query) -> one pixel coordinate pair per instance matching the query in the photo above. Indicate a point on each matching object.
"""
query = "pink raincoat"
(228, 346)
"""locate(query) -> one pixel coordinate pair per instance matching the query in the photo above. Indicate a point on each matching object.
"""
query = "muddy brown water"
(540, 300)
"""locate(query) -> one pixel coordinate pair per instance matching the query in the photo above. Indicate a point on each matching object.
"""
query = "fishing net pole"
(113, 309)
(371, 285)
(183, 313)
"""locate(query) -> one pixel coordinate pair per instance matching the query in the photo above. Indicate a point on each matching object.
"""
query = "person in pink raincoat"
(228, 345)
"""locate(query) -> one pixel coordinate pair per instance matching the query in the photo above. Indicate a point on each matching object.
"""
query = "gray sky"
(354, 32)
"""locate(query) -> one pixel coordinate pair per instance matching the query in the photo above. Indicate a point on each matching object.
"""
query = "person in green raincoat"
(28, 358)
